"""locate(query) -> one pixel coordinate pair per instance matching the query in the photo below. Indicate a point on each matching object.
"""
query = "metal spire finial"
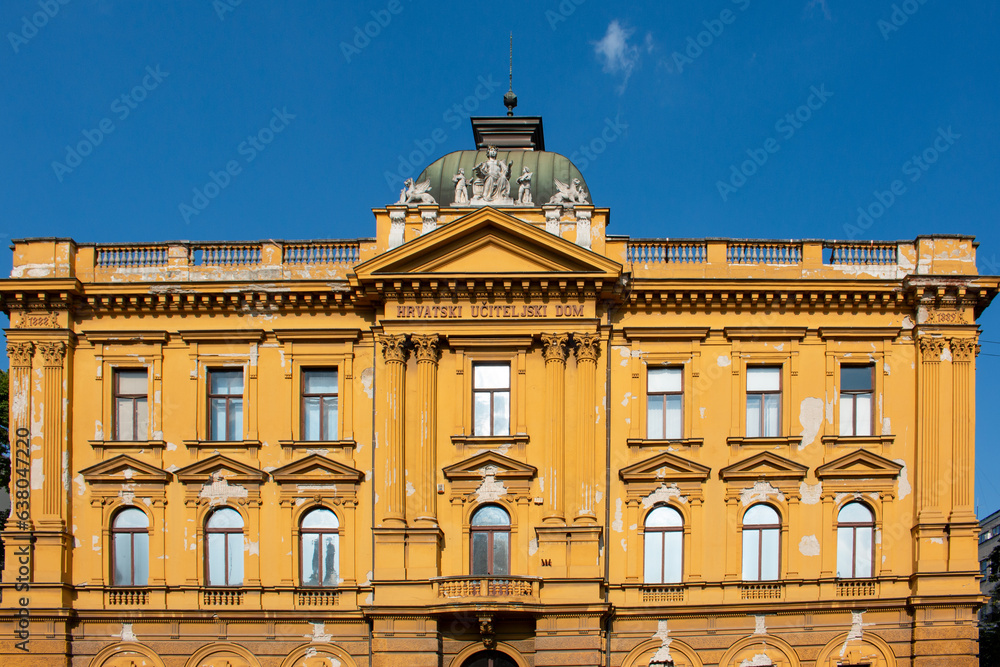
(509, 98)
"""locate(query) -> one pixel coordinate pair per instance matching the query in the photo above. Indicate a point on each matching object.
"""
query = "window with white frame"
(225, 404)
(131, 404)
(319, 404)
(491, 399)
(761, 543)
(856, 390)
(663, 546)
(224, 548)
(763, 401)
(319, 541)
(664, 403)
(855, 543)
(130, 548)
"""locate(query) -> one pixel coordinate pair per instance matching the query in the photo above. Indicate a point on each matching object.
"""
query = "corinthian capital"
(425, 346)
(963, 349)
(931, 348)
(53, 352)
(20, 354)
(554, 347)
(394, 347)
(588, 346)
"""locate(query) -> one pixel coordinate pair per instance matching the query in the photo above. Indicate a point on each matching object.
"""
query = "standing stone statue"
(495, 176)
(524, 192)
(461, 192)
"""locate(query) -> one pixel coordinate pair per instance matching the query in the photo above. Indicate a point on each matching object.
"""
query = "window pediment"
(317, 469)
(665, 467)
(500, 466)
(124, 469)
(859, 464)
(220, 467)
(764, 466)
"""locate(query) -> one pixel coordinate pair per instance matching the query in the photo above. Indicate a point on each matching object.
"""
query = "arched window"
(130, 548)
(319, 548)
(855, 530)
(761, 543)
(664, 546)
(224, 548)
(490, 541)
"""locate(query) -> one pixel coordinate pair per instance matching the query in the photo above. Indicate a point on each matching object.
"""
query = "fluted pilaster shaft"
(554, 351)
(53, 434)
(426, 350)
(587, 351)
(394, 352)
(963, 356)
(928, 496)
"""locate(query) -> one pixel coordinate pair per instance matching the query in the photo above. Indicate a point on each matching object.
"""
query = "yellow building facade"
(494, 434)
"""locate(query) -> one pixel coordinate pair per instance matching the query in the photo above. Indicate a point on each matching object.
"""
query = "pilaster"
(426, 351)
(587, 351)
(555, 352)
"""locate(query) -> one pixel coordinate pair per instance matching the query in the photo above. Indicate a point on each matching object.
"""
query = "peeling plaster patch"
(268, 468)
(172, 468)
(946, 354)
(809, 546)
(368, 579)
(490, 489)
(171, 447)
(369, 599)
(81, 485)
(618, 524)
(624, 352)
(856, 632)
(662, 654)
(723, 360)
(219, 490)
(37, 476)
(779, 347)
(937, 540)
(760, 625)
(253, 548)
(907, 322)
(598, 497)
(878, 536)
(810, 492)
(759, 492)
(126, 635)
(758, 660)
(76, 543)
(319, 634)
(625, 401)
(904, 482)
(702, 412)
(811, 419)
(663, 494)
(532, 546)
(127, 473)
(367, 378)
(410, 489)
(624, 545)
(157, 435)
(98, 430)
(95, 543)
(886, 425)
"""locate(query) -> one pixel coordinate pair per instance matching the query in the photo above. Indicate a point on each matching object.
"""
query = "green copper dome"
(544, 166)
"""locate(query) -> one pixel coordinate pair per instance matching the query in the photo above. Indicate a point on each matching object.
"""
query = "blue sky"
(689, 88)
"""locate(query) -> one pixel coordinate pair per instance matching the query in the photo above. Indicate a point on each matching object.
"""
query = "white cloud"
(617, 55)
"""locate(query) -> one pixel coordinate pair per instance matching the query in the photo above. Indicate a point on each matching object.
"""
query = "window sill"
(764, 442)
(319, 446)
(222, 444)
(518, 440)
(679, 442)
(128, 444)
(855, 441)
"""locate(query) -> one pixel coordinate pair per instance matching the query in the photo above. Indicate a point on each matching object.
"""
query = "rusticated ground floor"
(876, 636)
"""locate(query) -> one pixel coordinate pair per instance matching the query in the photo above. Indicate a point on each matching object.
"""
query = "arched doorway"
(490, 658)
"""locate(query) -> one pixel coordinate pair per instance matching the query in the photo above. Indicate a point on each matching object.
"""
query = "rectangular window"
(319, 404)
(491, 399)
(665, 401)
(131, 417)
(763, 401)
(225, 404)
(856, 391)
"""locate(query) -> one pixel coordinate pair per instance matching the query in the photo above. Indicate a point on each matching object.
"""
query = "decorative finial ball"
(510, 101)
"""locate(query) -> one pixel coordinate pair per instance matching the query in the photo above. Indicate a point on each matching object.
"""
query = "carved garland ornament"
(20, 354)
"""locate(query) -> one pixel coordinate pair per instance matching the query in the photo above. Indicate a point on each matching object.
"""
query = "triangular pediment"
(765, 465)
(317, 469)
(489, 463)
(124, 469)
(859, 464)
(488, 241)
(219, 466)
(665, 467)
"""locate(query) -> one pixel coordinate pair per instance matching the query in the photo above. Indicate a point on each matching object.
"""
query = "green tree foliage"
(989, 621)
